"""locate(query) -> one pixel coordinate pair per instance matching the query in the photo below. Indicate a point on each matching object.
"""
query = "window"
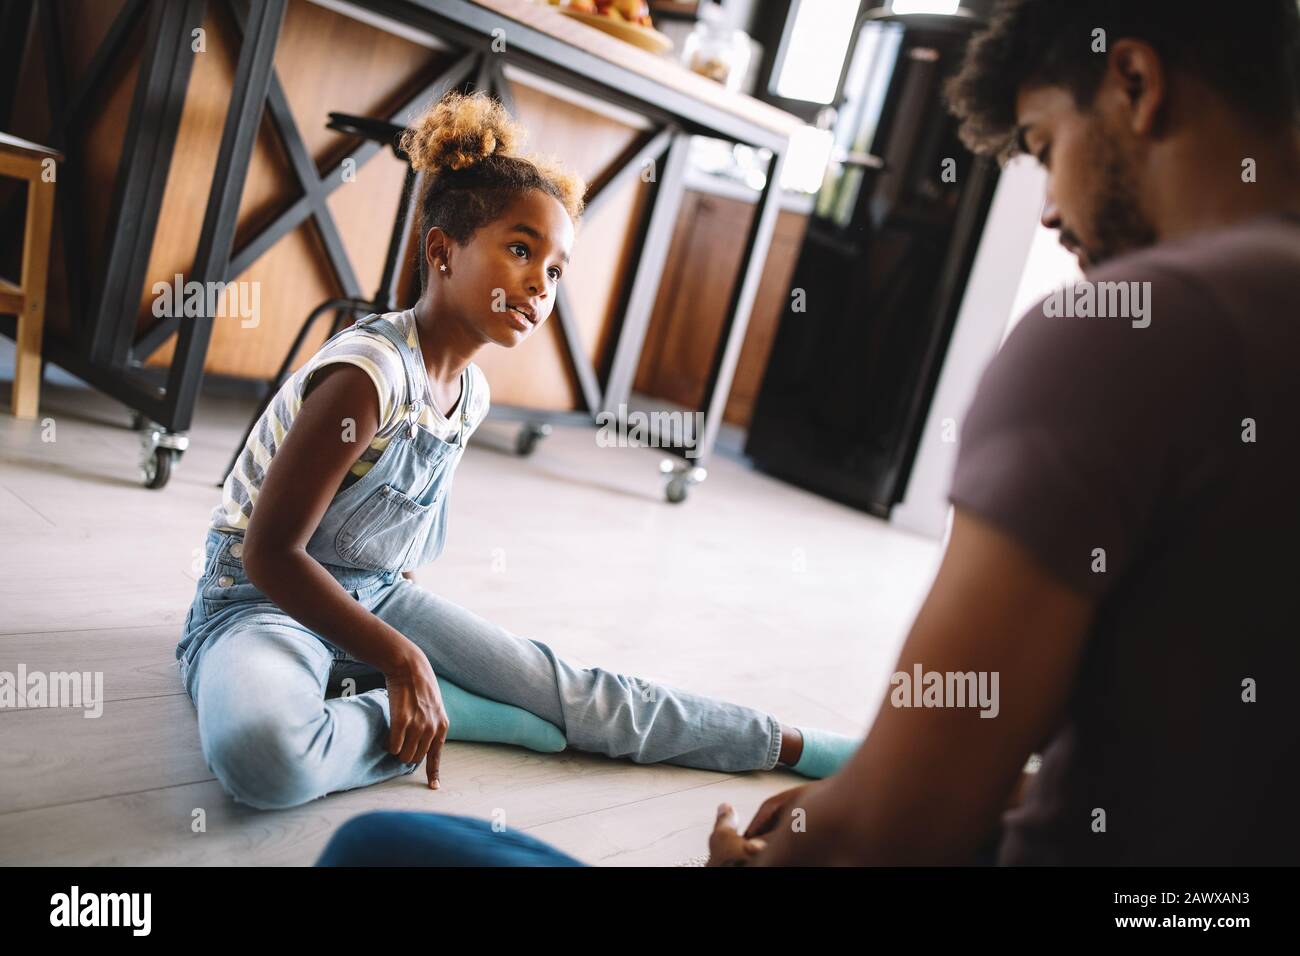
(813, 48)
(924, 6)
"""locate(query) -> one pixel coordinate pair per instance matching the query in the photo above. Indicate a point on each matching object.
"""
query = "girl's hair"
(468, 147)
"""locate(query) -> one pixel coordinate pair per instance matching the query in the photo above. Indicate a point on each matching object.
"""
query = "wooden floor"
(751, 591)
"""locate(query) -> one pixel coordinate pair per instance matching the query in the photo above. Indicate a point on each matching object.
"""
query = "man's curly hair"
(1248, 52)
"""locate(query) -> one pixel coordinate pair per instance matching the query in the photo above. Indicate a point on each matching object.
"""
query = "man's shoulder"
(1163, 303)
(1270, 241)
(1186, 301)
(1206, 273)
(1145, 331)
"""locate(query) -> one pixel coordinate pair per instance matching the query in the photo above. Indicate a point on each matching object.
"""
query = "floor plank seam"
(31, 507)
(630, 803)
(106, 796)
(82, 630)
(115, 700)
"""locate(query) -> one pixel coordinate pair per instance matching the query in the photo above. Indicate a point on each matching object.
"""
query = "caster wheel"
(528, 437)
(680, 478)
(160, 453)
(158, 467)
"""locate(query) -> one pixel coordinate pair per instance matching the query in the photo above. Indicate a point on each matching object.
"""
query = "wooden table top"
(660, 69)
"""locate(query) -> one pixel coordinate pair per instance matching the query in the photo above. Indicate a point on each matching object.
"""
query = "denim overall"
(258, 677)
(393, 519)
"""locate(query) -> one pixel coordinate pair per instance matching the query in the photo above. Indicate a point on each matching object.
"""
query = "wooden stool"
(23, 160)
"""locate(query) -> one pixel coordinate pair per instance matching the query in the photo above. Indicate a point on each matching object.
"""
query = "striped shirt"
(379, 359)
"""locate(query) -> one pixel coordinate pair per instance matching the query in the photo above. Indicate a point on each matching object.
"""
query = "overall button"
(237, 549)
(225, 580)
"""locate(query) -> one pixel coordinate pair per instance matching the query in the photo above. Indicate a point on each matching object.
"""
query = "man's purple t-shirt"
(1169, 455)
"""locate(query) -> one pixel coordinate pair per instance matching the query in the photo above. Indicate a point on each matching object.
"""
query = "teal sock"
(824, 752)
(490, 721)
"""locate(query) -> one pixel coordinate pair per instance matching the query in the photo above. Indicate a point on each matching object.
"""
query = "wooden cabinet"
(686, 325)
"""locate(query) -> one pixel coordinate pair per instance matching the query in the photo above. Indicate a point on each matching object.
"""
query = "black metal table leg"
(690, 470)
(653, 245)
(146, 159)
(212, 260)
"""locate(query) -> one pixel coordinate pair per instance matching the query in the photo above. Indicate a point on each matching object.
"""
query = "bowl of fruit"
(626, 19)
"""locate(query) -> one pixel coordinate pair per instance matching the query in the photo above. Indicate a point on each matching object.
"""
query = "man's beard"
(1118, 225)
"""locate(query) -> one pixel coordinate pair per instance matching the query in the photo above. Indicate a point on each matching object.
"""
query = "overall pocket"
(382, 530)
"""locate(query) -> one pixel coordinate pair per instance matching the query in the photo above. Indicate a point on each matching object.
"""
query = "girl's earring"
(443, 267)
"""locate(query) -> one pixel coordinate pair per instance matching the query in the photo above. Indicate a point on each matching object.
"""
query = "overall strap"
(464, 403)
(414, 374)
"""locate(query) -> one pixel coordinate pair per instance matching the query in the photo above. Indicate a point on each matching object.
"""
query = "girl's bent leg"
(391, 838)
(598, 710)
(266, 729)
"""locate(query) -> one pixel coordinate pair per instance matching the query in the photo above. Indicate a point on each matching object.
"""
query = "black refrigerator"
(881, 273)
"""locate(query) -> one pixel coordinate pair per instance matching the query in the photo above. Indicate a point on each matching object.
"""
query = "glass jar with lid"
(716, 48)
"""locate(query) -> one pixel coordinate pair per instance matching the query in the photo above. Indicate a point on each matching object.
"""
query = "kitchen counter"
(276, 199)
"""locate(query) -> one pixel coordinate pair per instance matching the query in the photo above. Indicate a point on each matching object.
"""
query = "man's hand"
(775, 809)
(726, 846)
(417, 720)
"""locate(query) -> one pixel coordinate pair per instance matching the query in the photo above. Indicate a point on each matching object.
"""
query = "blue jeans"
(397, 838)
(271, 737)
(393, 838)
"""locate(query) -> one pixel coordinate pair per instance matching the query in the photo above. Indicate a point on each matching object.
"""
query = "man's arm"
(929, 784)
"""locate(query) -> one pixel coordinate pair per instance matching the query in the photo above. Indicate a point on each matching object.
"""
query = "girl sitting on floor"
(310, 553)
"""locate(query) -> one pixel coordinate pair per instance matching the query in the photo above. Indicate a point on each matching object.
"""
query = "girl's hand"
(417, 720)
(726, 846)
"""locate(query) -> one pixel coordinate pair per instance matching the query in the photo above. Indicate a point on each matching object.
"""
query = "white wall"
(1049, 265)
(1016, 262)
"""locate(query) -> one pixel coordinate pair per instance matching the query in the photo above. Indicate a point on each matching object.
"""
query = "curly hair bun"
(459, 131)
